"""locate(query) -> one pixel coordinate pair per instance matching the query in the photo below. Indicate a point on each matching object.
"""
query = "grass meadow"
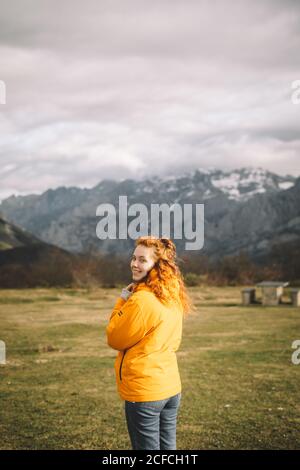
(240, 389)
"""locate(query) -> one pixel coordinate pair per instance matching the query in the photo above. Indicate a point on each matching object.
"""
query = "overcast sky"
(127, 88)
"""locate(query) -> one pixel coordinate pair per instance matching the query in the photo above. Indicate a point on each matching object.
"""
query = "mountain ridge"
(244, 209)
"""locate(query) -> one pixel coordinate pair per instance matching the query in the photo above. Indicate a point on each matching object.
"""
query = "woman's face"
(142, 262)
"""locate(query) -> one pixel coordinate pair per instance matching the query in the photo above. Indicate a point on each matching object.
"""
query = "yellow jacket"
(147, 335)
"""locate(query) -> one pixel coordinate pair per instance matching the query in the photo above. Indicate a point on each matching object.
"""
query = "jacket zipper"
(120, 371)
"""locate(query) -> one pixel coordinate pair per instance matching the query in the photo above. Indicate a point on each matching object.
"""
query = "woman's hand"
(130, 286)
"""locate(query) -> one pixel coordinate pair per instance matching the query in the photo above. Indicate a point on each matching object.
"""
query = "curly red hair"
(165, 279)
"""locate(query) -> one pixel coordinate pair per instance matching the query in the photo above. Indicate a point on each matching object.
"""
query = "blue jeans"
(152, 424)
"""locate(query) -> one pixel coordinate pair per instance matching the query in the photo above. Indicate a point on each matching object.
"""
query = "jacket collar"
(141, 286)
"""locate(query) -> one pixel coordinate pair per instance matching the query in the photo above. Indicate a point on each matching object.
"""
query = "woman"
(146, 327)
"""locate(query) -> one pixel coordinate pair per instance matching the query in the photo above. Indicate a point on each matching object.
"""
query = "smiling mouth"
(135, 271)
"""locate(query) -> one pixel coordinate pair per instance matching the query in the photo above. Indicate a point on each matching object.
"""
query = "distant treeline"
(282, 263)
(40, 267)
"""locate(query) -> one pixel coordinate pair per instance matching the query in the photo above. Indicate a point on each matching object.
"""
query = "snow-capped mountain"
(245, 183)
(238, 185)
(244, 208)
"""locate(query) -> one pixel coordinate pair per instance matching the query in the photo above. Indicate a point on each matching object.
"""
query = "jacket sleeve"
(126, 325)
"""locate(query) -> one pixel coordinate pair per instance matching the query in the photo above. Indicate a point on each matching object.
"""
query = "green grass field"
(58, 391)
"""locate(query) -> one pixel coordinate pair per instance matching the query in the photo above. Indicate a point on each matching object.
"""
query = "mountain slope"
(244, 209)
(12, 236)
(26, 261)
(255, 225)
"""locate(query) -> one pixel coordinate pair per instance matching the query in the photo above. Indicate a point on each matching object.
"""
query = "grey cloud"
(109, 88)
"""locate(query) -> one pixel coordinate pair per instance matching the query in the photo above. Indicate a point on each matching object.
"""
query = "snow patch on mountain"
(286, 185)
(245, 183)
(238, 184)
